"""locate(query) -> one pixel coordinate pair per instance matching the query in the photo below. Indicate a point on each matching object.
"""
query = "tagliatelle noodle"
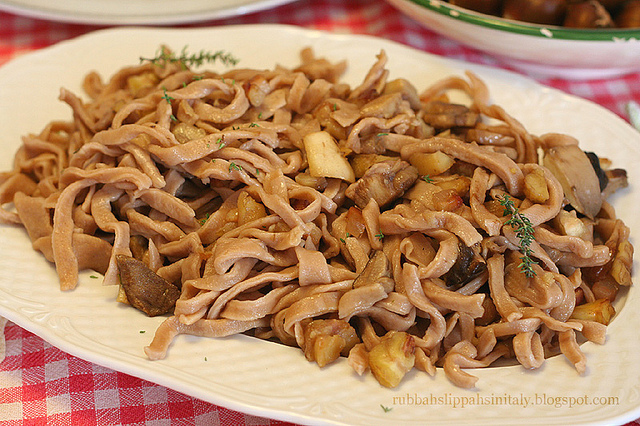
(204, 177)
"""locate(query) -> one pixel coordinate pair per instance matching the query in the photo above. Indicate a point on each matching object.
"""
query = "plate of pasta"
(334, 230)
(137, 12)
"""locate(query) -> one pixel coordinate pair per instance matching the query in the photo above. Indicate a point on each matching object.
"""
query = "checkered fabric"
(41, 385)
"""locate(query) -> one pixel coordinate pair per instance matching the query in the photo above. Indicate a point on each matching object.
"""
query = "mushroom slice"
(603, 179)
(146, 290)
(573, 169)
(377, 271)
(444, 115)
(469, 265)
(616, 179)
(370, 287)
(384, 182)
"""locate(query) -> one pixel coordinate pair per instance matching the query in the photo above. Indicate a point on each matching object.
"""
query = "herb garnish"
(386, 409)
(379, 236)
(185, 59)
(204, 219)
(524, 231)
(168, 98)
(234, 166)
(347, 235)
(427, 179)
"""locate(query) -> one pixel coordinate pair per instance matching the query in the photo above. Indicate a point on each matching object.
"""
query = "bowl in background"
(539, 50)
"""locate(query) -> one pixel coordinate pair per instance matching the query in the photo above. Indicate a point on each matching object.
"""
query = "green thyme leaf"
(524, 232)
(166, 96)
(186, 58)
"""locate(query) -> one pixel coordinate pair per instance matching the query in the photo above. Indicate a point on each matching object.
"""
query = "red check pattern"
(41, 385)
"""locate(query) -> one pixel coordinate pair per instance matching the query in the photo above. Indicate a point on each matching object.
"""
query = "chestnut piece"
(546, 12)
(629, 15)
(587, 14)
(488, 7)
(611, 5)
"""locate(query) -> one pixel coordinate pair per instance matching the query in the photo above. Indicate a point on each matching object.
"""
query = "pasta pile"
(388, 226)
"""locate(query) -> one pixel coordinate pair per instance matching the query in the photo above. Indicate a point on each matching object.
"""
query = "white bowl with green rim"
(540, 50)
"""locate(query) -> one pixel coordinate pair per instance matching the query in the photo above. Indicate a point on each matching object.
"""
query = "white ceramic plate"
(136, 12)
(268, 379)
(542, 51)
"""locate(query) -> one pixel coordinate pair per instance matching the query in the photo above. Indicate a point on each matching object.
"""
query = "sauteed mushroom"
(377, 271)
(469, 265)
(444, 115)
(616, 179)
(384, 182)
(146, 290)
(573, 169)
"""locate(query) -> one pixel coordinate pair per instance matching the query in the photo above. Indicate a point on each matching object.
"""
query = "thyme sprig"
(524, 231)
(168, 98)
(185, 58)
(234, 166)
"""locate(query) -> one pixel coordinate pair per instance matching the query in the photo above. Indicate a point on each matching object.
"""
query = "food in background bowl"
(566, 13)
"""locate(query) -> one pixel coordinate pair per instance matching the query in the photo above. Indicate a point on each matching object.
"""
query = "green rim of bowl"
(549, 31)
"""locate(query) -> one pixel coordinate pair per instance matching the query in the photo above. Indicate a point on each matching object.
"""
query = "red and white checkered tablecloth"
(40, 384)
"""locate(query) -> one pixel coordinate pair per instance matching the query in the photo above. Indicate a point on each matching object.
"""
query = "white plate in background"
(136, 12)
(268, 379)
